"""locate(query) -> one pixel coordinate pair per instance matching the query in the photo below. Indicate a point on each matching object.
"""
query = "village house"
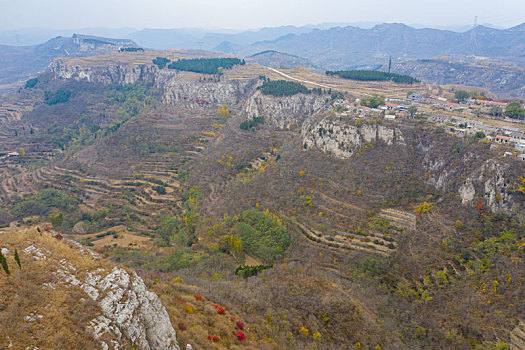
(435, 98)
(391, 106)
(486, 103)
(504, 140)
(516, 136)
(415, 97)
(403, 114)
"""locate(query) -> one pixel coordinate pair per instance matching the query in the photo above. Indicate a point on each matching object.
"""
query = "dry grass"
(204, 319)
(125, 238)
(35, 315)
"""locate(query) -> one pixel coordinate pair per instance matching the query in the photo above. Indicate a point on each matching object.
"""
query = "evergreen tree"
(3, 262)
(282, 88)
(372, 75)
(205, 65)
(17, 259)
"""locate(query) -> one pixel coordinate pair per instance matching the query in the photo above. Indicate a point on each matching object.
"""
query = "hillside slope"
(64, 296)
(503, 81)
(313, 228)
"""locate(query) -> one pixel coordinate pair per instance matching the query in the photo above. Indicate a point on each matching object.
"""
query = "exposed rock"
(284, 112)
(37, 253)
(194, 94)
(517, 337)
(129, 308)
(486, 181)
(342, 139)
(109, 74)
(467, 192)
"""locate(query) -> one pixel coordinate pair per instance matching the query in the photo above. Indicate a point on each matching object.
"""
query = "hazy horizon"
(238, 15)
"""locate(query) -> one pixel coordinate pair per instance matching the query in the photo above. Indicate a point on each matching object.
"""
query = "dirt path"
(300, 80)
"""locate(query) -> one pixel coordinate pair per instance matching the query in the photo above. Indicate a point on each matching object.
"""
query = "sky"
(251, 14)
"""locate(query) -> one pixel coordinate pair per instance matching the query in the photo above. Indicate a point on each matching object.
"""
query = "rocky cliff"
(194, 94)
(477, 180)
(284, 112)
(179, 88)
(118, 309)
(109, 73)
(341, 137)
(475, 174)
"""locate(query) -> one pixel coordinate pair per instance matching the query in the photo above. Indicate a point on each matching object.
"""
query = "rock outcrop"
(197, 94)
(109, 73)
(284, 112)
(488, 182)
(476, 179)
(129, 310)
(129, 313)
(341, 138)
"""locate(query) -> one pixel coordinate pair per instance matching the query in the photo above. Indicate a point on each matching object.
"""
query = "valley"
(388, 226)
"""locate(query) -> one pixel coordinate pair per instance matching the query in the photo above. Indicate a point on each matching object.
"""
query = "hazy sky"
(242, 14)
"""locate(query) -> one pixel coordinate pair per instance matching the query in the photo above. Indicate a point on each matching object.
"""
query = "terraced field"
(366, 240)
(517, 337)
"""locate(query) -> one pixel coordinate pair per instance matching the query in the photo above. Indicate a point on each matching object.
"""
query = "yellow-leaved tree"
(223, 110)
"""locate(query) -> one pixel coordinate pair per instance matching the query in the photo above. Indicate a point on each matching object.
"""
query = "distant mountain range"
(344, 48)
(19, 63)
(191, 38)
(350, 46)
(317, 47)
(329, 45)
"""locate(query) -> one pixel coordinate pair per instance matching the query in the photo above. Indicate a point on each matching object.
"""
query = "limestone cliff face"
(476, 180)
(194, 94)
(489, 182)
(341, 139)
(129, 313)
(179, 88)
(130, 310)
(284, 112)
(109, 74)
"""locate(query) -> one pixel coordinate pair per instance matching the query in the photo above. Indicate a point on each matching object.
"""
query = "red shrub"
(216, 338)
(198, 297)
(182, 326)
(209, 337)
(58, 236)
(240, 325)
(240, 335)
(220, 309)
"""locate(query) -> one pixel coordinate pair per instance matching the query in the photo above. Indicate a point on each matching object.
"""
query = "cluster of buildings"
(510, 136)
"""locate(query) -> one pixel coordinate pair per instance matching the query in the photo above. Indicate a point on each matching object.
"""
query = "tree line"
(60, 96)
(283, 88)
(200, 65)
(251, 123)
(373, 75)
